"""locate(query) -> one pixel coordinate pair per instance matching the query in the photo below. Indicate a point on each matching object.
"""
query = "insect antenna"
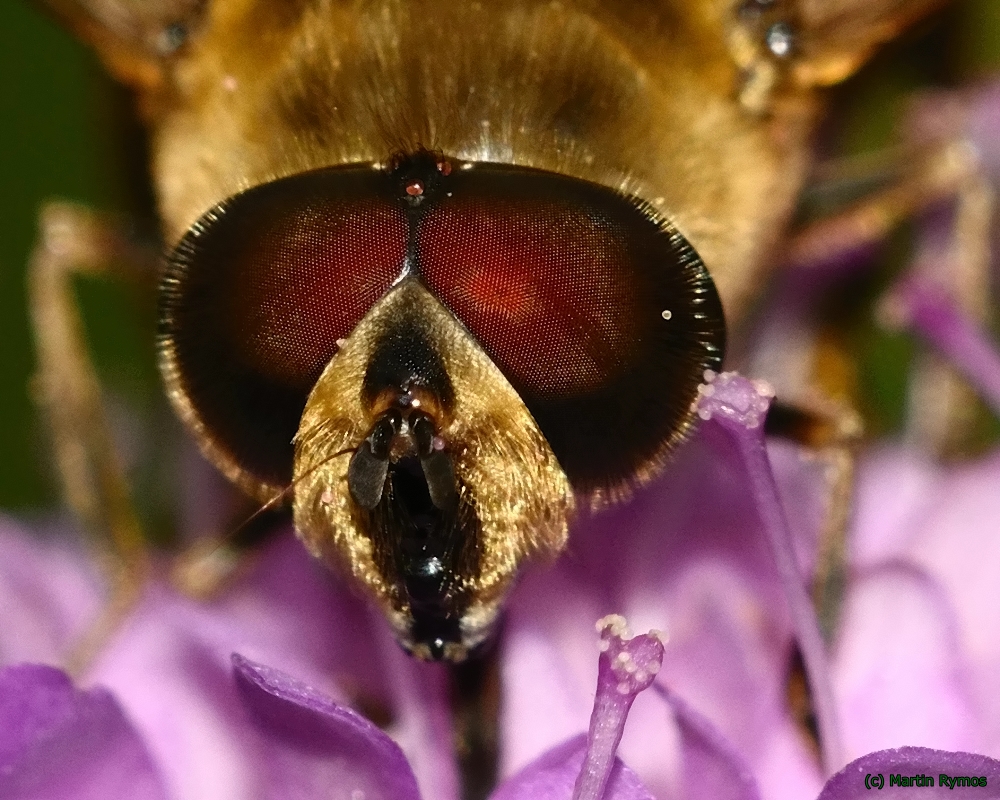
(209, 565)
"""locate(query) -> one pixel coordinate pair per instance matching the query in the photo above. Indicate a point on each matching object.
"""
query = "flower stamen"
(626, 667)
(739, 406)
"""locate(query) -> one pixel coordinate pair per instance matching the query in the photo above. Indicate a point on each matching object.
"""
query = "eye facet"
(257, 296)
(595, 309)
(437, 356)
(598, 311)
(544, 287)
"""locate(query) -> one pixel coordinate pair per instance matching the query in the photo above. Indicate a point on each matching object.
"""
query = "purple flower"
(716, 553)
(58, 742)
(898, 773)
(915, 663)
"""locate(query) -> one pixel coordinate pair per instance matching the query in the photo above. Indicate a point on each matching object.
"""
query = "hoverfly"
(440, 272)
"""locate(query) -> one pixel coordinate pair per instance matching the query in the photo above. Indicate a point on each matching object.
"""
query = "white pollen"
(666, 313)
(614, 624)
(764, 389)
(624, 688)
(341, 343)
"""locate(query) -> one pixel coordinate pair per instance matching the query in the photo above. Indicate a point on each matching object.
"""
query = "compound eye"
(256, 297)
(595, 308)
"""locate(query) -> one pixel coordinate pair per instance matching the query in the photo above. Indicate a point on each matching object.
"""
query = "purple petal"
(423, 725)
(554, 774)
(917, 303)
(713, 770)
(895, 490)
(884, 770)
(319, 630)
(983, 121)
(972, 115)
(548, 668)
(289, 612)
(899, 667)
(58, 742)
(194, 721)
(956, 540)
(942, 523)
(688, 555)
(712, 766)
(294, 614)
(50, 593)
(316, 748)
(286, 611)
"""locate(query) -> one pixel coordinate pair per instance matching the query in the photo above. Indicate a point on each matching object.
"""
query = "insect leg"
(74, 241)
(944, 412)
(857, 202)
(854, 206)
(833, 432)
(941, 183)
(209, 565)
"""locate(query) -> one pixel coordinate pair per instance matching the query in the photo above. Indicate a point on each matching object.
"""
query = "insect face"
(435, 355)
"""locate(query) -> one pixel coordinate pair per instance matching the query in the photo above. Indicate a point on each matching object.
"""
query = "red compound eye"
(547, 289)
(305, 281)
(258, 294)
(598, 311)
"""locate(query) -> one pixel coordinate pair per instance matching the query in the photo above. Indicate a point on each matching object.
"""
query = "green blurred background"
(67, 132)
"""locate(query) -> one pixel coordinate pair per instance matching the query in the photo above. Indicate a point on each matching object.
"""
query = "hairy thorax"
(621, 94)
